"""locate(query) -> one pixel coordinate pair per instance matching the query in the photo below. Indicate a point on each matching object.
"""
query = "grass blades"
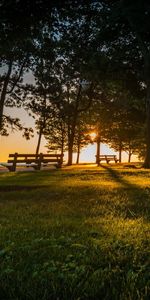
(76, 233)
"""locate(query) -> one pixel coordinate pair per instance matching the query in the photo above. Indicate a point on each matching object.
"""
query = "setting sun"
(93, 135)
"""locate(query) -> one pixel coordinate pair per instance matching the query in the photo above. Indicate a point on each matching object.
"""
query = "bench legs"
(35, 167)
(107, 161)
(11, 168)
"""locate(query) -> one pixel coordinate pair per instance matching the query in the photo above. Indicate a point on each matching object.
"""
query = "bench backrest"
(35, 158)
(107, 156)
(16, 155)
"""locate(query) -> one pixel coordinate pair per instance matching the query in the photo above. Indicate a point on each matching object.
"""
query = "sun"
(93, 135)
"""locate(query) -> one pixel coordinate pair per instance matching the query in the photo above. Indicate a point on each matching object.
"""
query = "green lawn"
(76, 233)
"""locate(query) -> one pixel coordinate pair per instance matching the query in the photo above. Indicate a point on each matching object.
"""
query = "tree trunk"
(43, 123)
(71, 135)
(98, 150)
(4, 92)
(78, 146)
(147, 155)
(78, 155)
(62, 147)
(120, 152)
(39, 140)
(70, 155)
(129, 156)
(71, 132)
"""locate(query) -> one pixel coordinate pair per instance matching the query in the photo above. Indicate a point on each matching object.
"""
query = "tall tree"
(45, 91)
(21, 25)
(123, 28)
(56, 133)
(82, 136)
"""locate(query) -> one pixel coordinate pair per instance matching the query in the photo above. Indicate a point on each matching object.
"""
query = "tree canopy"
(87, 57)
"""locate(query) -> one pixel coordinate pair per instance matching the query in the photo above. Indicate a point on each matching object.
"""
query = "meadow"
(76, 233)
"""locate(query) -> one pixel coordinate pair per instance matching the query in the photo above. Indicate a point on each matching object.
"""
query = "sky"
(16, 143)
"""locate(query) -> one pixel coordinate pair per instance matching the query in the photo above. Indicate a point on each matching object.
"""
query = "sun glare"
(93, 135)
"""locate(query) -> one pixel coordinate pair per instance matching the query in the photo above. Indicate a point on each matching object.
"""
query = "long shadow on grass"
(137, 198)
(16, 188)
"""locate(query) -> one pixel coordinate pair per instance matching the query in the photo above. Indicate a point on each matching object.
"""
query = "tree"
(21, 25)
(82, 136)
(127, 43)
(126, 122)
(42, 96)
(15, 51)
(56, 132)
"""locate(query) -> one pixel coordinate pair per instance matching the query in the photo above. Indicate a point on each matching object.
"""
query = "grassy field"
(76, 233)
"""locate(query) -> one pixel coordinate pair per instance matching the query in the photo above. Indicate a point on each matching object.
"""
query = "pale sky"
(16, 143)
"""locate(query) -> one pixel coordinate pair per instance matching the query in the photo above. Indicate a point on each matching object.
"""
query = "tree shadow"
(137, 203)
(16, 188)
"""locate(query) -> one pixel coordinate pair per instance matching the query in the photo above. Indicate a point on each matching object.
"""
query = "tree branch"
(137, 34)
(19, 75)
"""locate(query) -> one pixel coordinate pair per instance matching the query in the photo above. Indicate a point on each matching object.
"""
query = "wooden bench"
(32, 160)
(108, 158)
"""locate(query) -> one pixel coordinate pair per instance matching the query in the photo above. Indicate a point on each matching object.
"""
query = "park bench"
(108, 158)
(33, 160)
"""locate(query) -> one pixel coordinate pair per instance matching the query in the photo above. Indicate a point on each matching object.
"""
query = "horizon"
(16, 143)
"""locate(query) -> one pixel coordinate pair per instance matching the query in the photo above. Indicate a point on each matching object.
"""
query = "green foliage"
(77, 233)
(80, 53)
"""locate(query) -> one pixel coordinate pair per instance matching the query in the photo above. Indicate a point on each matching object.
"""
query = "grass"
(76, 233)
